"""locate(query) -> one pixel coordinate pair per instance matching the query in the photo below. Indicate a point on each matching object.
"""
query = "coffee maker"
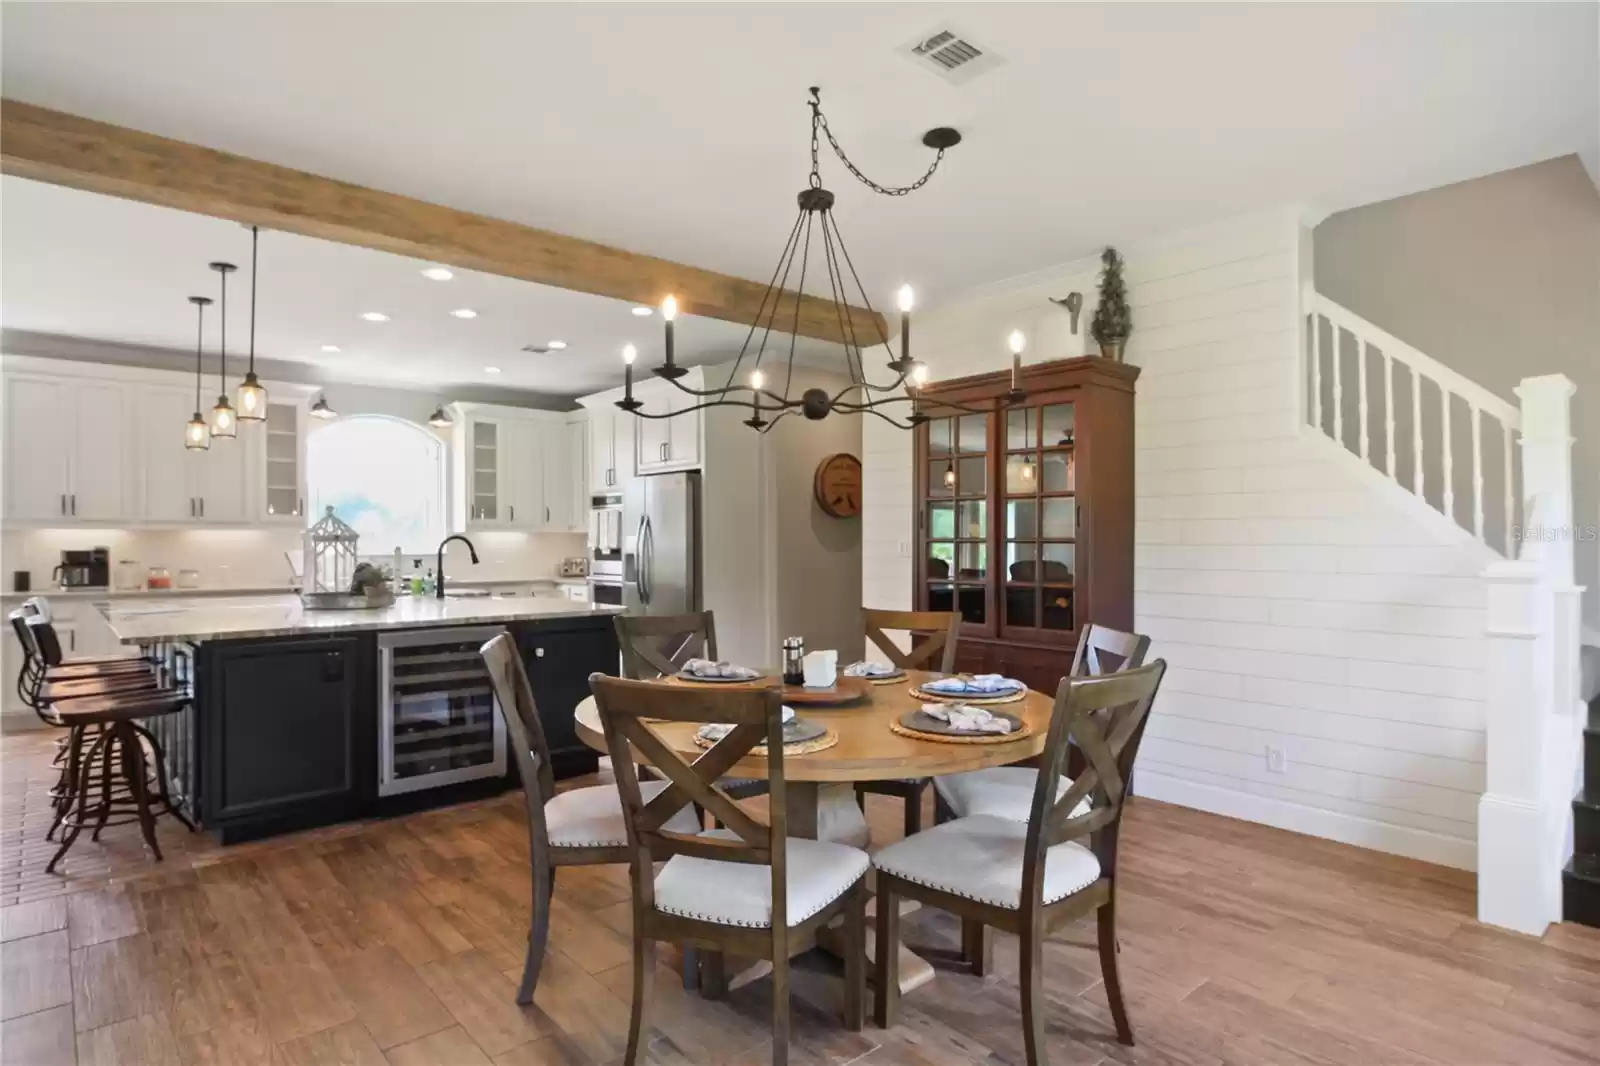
(84, 569)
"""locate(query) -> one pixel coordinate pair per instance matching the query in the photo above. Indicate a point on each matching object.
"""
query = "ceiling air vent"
(537, 349)
(951, 55)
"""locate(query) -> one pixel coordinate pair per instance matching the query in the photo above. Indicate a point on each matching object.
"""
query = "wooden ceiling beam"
(63, 149)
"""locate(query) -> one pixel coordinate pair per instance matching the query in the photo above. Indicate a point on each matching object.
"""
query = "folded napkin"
(718, 730)
(708, 668)
(870, 669)
(965, 719)
(977, 683)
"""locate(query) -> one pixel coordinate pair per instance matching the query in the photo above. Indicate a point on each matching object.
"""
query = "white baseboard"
(1312, 821)
(20, 722)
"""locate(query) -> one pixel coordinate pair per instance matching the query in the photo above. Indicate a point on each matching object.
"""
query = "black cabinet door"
(284, 719)
(559, 662)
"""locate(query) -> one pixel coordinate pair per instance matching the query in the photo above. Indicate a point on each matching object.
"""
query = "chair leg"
(914, 809)
(74, 825)
(855, 957)
(163, 782)
(1106, 919)
(941, 810)
(691, 968)
(137, 773)
(106, 758)
(780, 1009)
(861, 799)
(544, 883)
(1032, 988)
(713, 975)
(644, 965)
(886, 1001)
(977, 946)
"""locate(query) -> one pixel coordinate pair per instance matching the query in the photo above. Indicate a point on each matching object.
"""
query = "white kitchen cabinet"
(578, 472)
(485, 467)
(673, 443)
(555, 457)
(189, 487)
(611, 448)
(67, 450)
(523, 465)
(514, 469)
(280, 463)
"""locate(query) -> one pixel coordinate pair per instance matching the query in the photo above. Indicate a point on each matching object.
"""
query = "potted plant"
(1113, 319)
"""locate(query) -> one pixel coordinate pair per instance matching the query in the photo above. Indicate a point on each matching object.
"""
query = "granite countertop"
(103, 593)
(202, 619)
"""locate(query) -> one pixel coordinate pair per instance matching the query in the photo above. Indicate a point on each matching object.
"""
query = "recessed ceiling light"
(491, 370)
(464, 312)
(555, 346)
(374, 316)
(330, 347)
(438, 274)
(644, 312)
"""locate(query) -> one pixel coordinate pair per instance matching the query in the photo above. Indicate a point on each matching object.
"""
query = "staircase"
(1497, 477)
(1580, 881)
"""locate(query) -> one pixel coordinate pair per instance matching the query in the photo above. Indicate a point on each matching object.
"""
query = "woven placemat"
(959, 697)
(805, 747)
(975, 738)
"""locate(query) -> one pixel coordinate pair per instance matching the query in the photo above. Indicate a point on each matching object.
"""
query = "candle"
(669, 312)
(1017, 342)
(906, 298)
(629, 354)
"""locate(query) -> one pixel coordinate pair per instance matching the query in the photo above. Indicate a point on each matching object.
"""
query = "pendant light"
(252, 394)
(224, 423)
(439, 419)
(320, 409)
(197, 435)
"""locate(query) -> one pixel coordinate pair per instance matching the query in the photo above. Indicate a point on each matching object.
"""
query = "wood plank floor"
(398, 944)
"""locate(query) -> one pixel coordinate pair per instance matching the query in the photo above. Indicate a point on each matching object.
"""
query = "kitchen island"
(303, 718)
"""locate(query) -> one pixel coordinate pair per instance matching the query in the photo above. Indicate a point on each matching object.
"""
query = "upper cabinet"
(87, 444)
(579, 471)
(513, 469)
(673, 443)
(67, 445)
(611, 460)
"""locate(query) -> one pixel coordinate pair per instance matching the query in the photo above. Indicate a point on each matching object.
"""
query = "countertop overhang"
(202, 619)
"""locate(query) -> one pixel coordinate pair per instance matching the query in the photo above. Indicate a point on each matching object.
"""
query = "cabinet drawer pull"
(74, 503)
(513, 512)
(202, 507)
(63, 503)
(192, 511)
(663, 451)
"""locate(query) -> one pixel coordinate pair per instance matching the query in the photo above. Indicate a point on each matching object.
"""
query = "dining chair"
(575, 827)
(1008, 790)
(656, 646)
(748, 889)
(1028, 878)
(940, 629)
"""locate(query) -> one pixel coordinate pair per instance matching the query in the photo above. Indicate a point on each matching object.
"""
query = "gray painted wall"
(1499, 279)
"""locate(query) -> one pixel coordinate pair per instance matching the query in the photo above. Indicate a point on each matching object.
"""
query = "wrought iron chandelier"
(862, 395)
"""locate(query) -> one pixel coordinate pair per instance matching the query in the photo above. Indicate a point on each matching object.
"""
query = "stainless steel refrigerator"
(661, 544)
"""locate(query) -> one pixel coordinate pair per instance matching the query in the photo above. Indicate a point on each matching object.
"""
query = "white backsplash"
(253, 558)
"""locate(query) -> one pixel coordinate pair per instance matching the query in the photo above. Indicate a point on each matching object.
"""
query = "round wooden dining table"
(819, 786)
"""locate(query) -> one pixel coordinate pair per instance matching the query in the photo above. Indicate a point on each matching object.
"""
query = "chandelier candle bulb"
(1016, 342)
(905, 298)
(669, 315)
(629, 354)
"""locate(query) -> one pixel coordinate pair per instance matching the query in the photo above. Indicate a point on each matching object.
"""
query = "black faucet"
(440, 567)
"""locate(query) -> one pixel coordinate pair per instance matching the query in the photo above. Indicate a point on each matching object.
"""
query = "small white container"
(821, 669)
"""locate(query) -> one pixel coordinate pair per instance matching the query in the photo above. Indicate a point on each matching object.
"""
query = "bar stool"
(118, 752)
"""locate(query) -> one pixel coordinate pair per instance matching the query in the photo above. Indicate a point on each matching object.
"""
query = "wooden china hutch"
(1025, 514)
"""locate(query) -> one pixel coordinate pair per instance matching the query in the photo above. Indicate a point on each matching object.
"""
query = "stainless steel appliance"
(84, 569)
(438, 720)
(661, 544)
(605, 549)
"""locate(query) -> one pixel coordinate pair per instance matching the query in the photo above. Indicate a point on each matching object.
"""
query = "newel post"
(1532, 722)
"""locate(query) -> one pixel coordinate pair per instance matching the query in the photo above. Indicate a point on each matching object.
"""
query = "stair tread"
(1584, 868)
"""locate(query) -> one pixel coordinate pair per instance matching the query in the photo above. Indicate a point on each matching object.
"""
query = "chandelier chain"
(819, 122)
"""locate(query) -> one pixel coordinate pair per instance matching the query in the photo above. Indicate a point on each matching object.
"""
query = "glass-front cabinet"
(1005, 496)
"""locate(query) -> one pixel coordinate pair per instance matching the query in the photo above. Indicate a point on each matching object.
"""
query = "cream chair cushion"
(981, 858)
(1003, 791)
(592, 817)
(740, 893)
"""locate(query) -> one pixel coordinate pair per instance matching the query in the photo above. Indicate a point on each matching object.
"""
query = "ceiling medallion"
(767, 407)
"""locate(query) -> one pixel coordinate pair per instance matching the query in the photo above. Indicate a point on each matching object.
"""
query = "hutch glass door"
(1040, 521)
(956, 499)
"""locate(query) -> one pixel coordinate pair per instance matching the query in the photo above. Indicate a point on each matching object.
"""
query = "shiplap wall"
(1299, 603)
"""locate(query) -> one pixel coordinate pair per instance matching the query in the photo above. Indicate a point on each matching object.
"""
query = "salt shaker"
(794, 654)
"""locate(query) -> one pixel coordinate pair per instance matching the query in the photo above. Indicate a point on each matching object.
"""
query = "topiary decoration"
(1113, 318)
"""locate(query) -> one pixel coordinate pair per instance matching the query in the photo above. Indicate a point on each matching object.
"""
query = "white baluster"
(1510, 489)
(1338, 382)
(1316, 371)
(1361, 392)
(1416, 431)
(1449, 501)
(1388, 412)
(1477, 471)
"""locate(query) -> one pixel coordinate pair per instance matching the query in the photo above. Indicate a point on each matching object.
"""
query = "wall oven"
(438, 719)
(606, 589)
(605, 534)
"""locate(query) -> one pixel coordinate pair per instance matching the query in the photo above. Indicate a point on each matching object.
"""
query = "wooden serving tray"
(844, 690)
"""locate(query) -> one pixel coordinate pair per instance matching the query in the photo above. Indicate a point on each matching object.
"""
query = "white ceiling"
(681, 129)
(115, 271)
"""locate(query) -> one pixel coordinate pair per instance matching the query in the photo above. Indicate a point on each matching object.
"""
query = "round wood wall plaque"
(837, 485)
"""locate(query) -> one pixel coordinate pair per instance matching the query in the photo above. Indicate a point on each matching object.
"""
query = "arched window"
(384, 476)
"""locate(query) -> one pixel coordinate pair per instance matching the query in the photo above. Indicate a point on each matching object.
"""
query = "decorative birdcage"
(330, 568)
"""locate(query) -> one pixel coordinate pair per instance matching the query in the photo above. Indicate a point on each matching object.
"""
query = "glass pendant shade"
(197, 435)
(224, 420)
(252, 399)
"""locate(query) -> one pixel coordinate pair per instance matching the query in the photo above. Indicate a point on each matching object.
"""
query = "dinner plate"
(695, 679)
(795, 731)
(923, 722)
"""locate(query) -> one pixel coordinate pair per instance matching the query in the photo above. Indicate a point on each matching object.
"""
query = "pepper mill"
(794, 654)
